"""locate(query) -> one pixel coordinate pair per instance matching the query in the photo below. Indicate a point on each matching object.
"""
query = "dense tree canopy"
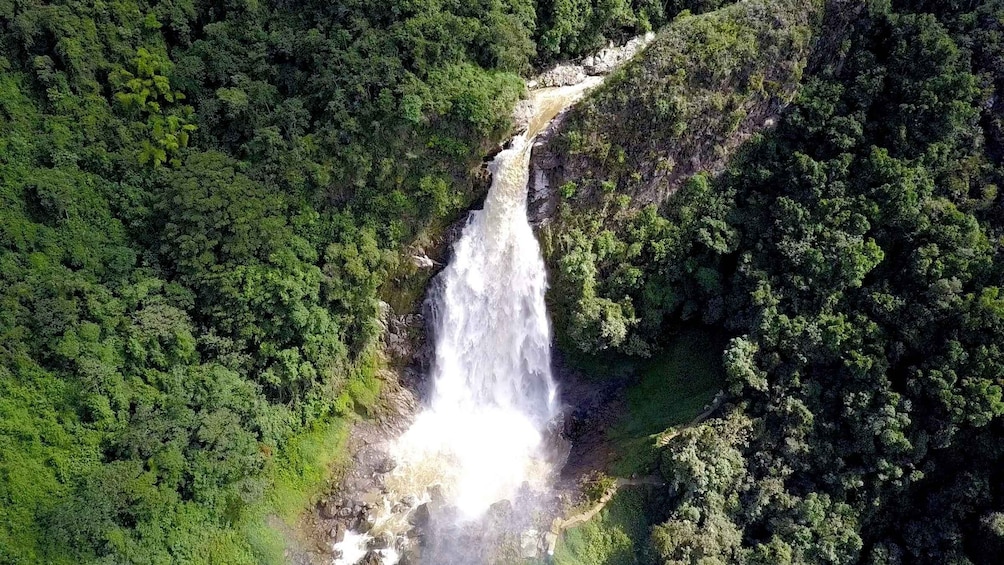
(202, 203)
(854, 253)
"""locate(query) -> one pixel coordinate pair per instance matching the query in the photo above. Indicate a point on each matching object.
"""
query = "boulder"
(328, 509)
(437, 500)
(421, 516)
(562, 75)
(337, 533)
(385, 465)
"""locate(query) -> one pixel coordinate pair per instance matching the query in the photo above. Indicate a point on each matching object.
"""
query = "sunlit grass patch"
(617, 536)
(670, 391)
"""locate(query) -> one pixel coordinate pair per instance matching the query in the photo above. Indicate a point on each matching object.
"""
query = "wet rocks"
(436, 497)
(421, 517)
(423, 261)
(400, 331)
(600, 63)
(499, 511)
(562, 75)
(606, 60)
(523, 112)
(386, 465)
(339, 516)
(328, 509)
(530, 544)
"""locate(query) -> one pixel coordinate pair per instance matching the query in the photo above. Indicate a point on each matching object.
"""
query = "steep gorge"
(487, 433)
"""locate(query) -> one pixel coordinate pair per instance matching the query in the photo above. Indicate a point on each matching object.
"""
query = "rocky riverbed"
(566, 74)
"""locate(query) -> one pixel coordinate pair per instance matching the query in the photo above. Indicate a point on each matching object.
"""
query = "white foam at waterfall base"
(478, 457)
(352, 548)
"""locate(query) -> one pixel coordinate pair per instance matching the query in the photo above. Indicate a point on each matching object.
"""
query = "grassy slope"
(301, 473)
(611, 538)
(671, 390)
(703, 85)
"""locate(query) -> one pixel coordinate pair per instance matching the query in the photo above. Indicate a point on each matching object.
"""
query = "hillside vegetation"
(854, 254)
(703, 85)
(203, 203)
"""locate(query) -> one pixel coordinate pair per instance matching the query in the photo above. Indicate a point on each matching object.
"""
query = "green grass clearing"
(671, 390)
(667, 391)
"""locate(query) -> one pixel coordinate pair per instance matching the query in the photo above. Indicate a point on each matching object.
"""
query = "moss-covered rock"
(704, 85)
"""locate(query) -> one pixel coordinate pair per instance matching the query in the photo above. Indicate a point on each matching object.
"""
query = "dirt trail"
(560, 525)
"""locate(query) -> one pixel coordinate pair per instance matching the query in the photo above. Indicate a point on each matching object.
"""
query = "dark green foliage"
(673, 104)
(200, 204)
(705, 82)
(575, 27)
(672, 389)
(855, 253)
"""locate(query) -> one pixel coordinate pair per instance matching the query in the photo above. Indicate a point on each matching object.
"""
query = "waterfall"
(479, 439)
(493, 392)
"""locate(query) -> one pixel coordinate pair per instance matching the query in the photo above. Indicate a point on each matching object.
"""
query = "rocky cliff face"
(700, 89)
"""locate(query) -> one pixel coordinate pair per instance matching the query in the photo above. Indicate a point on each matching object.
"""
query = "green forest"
(853, 254)
(203, 204)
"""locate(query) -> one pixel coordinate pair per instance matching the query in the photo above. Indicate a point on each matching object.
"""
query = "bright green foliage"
(147, 92)
(615, 537)
(596, 485)
(200, 204)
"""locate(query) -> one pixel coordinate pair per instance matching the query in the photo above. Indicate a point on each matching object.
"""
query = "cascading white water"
(493, 389)
(480, 437)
